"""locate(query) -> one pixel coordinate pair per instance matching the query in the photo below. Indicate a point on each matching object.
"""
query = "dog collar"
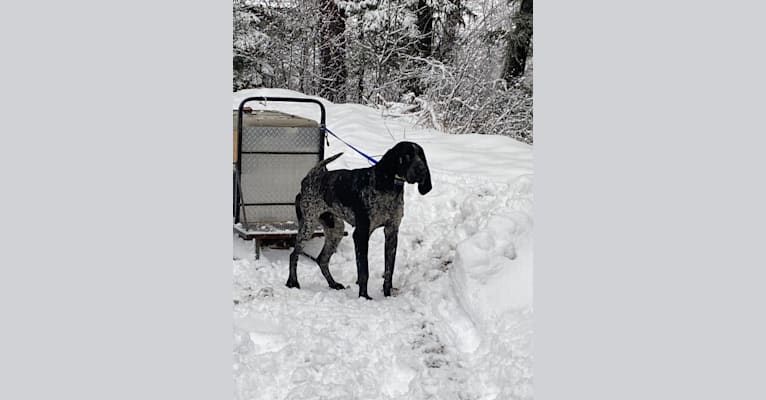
(398, 180)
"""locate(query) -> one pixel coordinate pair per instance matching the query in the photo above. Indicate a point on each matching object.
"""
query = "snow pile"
(459, 323)
(492, 277)
(493, 266)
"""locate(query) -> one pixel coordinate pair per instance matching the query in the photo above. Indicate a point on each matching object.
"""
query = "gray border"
(648, 190)
(116, 138)
(649, 200)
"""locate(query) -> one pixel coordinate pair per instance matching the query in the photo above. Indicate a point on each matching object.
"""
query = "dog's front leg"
(392, 233)
(361, 241)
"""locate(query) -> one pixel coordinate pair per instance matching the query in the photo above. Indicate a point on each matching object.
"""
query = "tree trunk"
(518, 42)
(332, 52)
(452, 22)
(426, 26)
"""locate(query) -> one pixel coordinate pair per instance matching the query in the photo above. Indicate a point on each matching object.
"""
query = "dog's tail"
(321, 165)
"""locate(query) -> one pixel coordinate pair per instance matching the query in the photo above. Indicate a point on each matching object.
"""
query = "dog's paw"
(365, 296)
(293, 283)
(337, 286)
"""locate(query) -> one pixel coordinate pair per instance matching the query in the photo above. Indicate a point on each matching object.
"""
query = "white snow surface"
(459, 324)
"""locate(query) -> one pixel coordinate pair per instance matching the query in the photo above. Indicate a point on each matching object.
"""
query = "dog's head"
(407, 162)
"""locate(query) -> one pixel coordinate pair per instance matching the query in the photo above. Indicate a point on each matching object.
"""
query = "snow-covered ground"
(460, 324)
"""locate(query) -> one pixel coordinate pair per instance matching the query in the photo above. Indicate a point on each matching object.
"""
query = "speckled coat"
(367, 198)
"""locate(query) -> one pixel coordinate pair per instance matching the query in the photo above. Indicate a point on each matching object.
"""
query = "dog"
(366, 198)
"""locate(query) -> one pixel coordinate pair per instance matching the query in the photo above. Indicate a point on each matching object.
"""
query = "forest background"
(459, 66)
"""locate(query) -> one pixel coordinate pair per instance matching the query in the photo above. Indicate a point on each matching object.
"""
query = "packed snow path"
(459, 323)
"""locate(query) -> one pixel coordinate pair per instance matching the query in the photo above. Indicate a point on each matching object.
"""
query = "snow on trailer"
(273, 151)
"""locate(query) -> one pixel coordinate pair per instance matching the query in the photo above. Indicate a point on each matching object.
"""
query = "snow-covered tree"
(332, 51)
(459, 65)
(519, 40)
(250, 45)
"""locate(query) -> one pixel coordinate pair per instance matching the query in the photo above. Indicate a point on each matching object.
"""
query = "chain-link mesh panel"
(274, 178)
(270, 138)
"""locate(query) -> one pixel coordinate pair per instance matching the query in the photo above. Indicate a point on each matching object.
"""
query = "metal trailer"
(273, 151)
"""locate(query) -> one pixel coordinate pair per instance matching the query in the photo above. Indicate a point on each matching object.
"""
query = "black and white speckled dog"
(366, 198)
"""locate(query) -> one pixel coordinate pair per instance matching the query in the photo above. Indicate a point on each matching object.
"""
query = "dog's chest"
(384, 208)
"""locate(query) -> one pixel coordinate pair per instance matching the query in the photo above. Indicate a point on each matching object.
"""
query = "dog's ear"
(424, 185)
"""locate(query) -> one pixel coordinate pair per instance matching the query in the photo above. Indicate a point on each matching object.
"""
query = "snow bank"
(492, 274)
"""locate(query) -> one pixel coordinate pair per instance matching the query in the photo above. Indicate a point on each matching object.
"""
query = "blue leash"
(372, 160)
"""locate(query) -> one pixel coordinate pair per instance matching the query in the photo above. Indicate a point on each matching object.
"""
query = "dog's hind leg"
(333, 233)
(304, 233)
